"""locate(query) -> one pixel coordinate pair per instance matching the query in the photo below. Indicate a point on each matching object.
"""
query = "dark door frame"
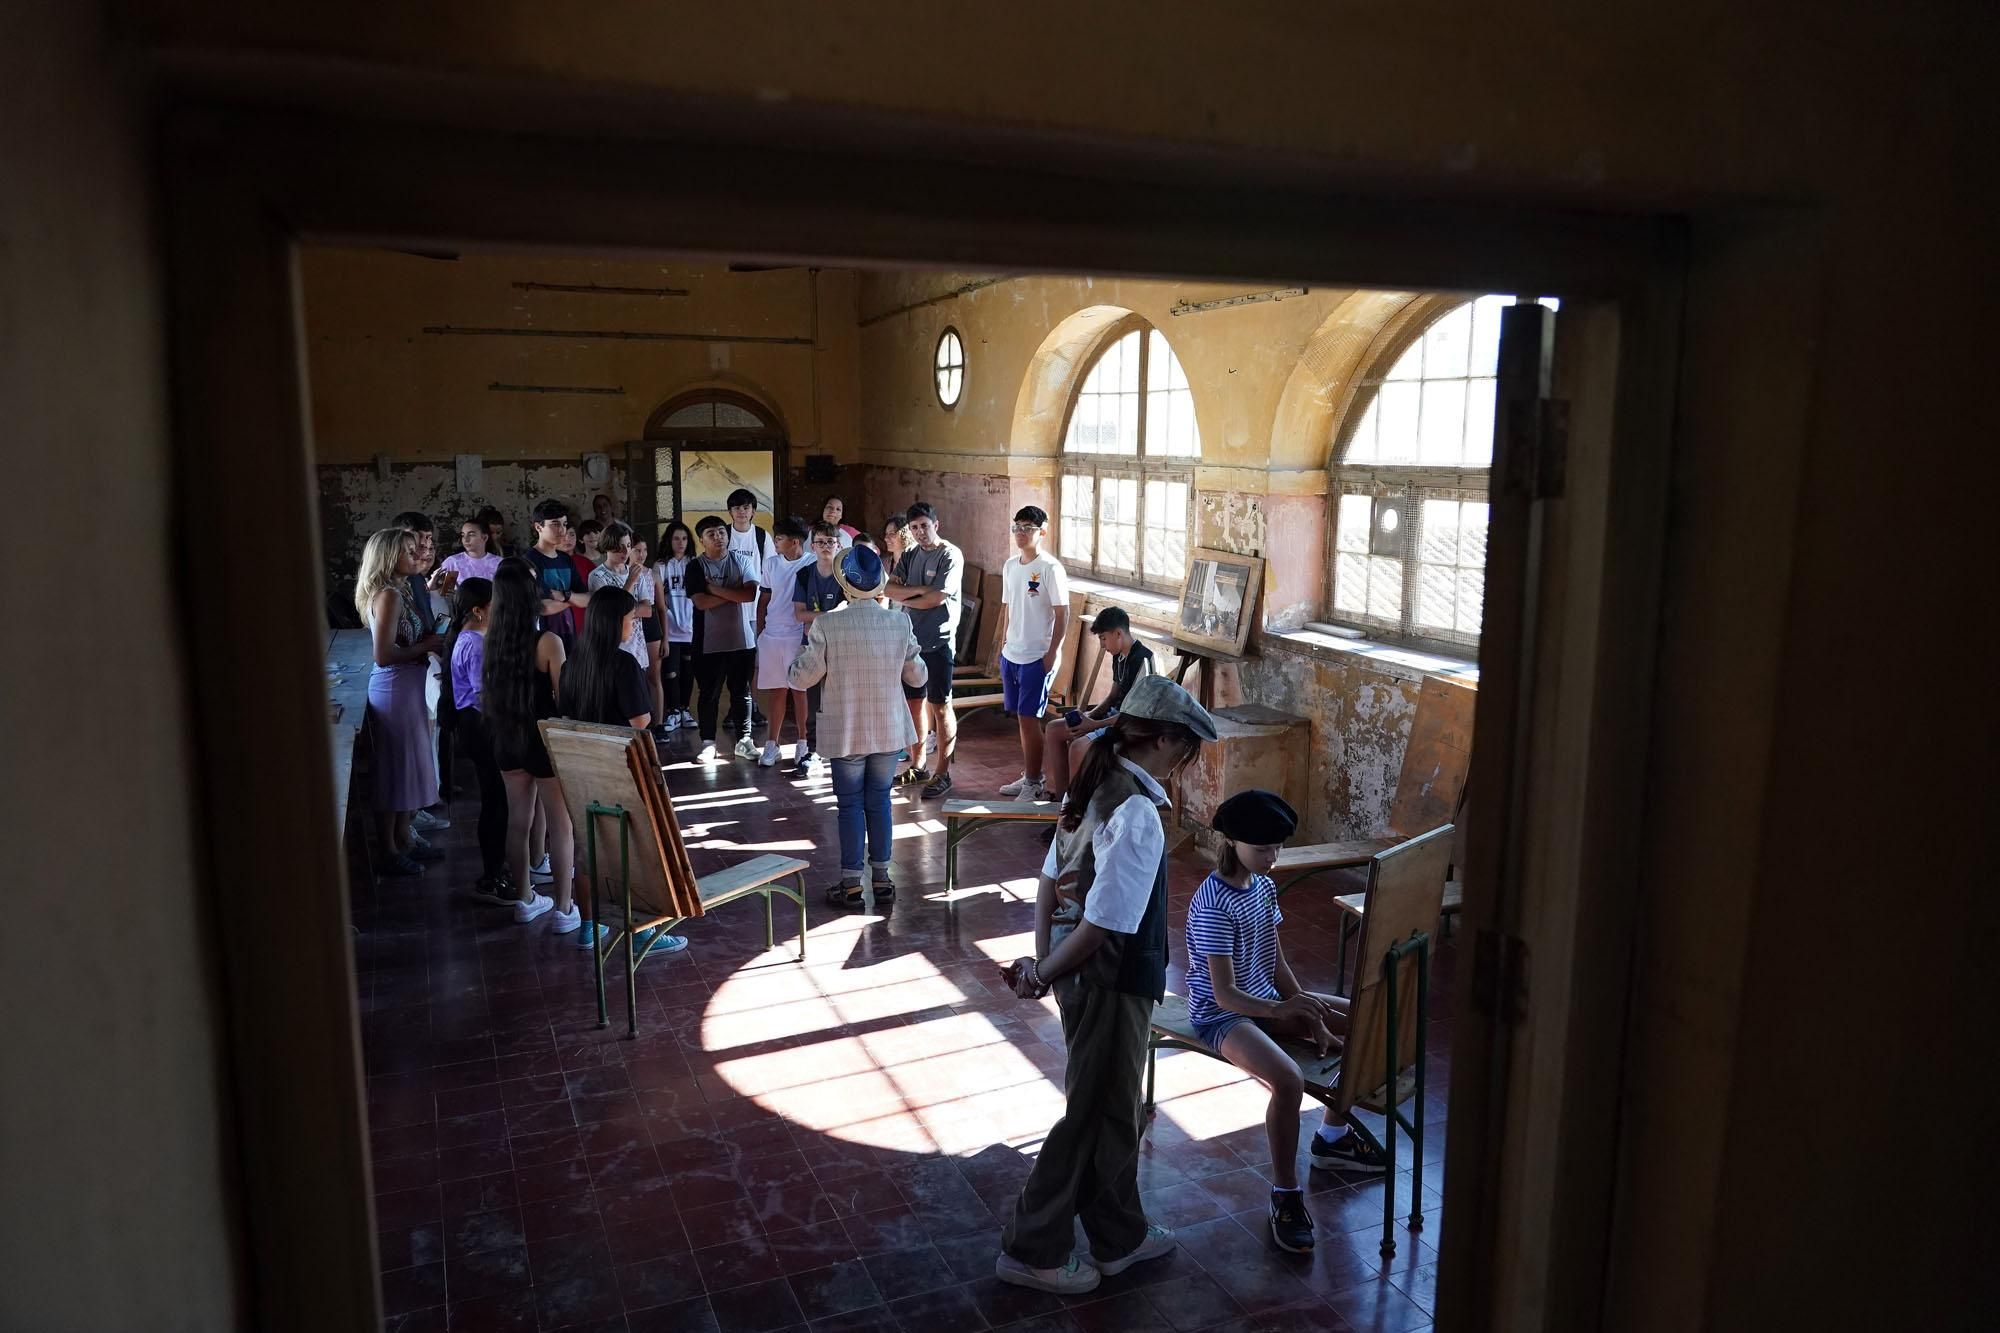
(257, 160)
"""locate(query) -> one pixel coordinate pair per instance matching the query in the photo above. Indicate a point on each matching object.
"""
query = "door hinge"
(1500, 976)
(1538, 459)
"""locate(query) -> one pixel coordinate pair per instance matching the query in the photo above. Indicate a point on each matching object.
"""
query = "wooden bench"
(1389, 1013)
(963, 818)
(612, 784)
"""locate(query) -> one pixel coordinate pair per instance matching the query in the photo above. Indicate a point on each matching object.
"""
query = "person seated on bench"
(1101, 941)
(1065, 739)
(1242, 995)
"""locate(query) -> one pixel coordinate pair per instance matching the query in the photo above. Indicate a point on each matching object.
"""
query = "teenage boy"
(620, 570)
(723, 586)
(927, 586)
(1064, 741)
(755, 545)
(562, 588)
(1034, 599)
(816, 591)
(780, 637)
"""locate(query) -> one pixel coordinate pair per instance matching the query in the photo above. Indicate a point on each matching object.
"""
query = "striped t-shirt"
(1242, 923)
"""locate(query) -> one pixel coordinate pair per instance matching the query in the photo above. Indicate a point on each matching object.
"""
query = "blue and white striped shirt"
(1242, 923)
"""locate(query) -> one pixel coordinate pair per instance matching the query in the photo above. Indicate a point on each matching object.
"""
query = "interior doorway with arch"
(701, 445)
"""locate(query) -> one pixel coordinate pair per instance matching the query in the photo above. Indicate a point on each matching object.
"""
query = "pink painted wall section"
(1289, 531)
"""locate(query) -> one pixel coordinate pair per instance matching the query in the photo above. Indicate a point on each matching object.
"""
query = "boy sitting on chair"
(1064, 739)
(1242, 995)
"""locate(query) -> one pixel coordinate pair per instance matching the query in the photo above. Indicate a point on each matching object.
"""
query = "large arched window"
(1411, 482)
(1127, 489)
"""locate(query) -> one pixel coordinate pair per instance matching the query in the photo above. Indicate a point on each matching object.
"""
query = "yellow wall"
(380, 384)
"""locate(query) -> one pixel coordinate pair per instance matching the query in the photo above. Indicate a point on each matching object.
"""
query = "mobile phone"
(1073, 717)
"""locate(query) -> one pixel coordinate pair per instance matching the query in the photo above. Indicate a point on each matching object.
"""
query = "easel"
(1206, 659)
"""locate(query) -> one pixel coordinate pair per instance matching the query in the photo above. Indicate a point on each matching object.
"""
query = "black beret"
(1256, 816)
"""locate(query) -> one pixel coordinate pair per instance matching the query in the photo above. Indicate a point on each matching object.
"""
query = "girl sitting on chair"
(1242, 996)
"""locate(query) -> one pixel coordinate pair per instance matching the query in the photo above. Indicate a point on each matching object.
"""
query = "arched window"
(1410, 482)
(706, 443)
(1127, 489)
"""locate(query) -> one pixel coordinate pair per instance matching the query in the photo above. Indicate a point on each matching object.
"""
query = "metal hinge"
(1538, 465)
(1500, 976)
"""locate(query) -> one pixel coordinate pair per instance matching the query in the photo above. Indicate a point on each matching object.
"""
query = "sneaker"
(1015, 787)
(658, 941)
(1347, 1153)
(1072, 1279)
(540, 872)
(687, 720)
(562, 923)
(707, 755)
(930, 744)
(398, 867)
(535, 906)
(596, 935)
(1291, 1224)
(671, 725)
(421, 849)
(939, 786)
(498, 889)
(804, 763)
(768, 759)
(746, 748)
(1033, 791)
(426, 822)
(1158, 1241)
(910, 777)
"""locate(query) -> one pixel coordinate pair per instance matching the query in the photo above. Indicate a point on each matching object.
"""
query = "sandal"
(844, 895)
(910, 777)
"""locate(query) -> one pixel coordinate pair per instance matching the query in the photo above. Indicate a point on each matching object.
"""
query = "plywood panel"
(1434, 764)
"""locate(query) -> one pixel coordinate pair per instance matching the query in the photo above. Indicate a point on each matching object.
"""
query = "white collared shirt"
(1127, 848)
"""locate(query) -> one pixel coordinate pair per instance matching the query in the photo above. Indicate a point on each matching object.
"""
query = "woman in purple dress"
(404, 773)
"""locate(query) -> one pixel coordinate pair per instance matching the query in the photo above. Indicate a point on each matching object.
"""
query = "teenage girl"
(465, 650)
(676, 615)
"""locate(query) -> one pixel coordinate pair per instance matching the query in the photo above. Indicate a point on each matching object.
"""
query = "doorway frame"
(253, 166)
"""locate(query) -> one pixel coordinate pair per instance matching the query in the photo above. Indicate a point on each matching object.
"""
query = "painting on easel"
(1219, 600)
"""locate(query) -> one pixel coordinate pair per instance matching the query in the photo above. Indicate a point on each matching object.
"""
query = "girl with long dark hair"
(1101, 944)
(603, 682)
(465, 650)
(676, 612)
(523, 671)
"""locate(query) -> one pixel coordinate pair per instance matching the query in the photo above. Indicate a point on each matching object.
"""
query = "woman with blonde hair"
(404, 773)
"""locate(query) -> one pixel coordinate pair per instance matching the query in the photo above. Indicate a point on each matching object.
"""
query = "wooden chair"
(612, 784)
(1429, 789)
(1381, 1065)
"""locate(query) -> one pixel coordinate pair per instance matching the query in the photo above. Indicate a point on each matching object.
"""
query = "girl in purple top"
(470, 607)
(478, 560)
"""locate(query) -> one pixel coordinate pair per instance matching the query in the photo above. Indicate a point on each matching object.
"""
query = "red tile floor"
(831, 1146)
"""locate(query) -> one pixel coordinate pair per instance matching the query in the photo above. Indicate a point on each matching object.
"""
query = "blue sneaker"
(658, 941)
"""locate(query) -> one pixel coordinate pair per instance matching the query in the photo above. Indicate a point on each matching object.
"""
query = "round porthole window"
(950, 367)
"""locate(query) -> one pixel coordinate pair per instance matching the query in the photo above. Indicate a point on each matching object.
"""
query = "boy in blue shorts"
(1034, 592)
(1242, 995)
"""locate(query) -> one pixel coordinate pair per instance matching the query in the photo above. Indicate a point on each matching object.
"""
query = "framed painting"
(1219, 601)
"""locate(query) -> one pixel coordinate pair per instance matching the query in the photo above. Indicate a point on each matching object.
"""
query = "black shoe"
(1291, 1224)
(846, 896)
(1347, 1153)
(939, 786)
(497, 889)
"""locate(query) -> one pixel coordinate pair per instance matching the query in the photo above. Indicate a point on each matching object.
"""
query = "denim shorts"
(1024, 687)
(1213, 1030)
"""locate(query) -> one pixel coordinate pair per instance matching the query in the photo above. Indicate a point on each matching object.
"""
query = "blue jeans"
(861, 797)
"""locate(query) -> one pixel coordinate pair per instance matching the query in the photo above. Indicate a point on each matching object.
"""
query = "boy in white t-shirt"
(781, 636)
(1035, 600)
(620, 570)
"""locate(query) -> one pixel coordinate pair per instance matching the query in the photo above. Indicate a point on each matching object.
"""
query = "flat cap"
(1160, 699)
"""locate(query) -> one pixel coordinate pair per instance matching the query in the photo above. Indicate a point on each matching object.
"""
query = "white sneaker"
(562, 923)
(687, 719)
(746, 748)
(540, 873)
(768, 759)
(1074, 1278)
(930, 744)
(534, 907)
(1158, 1241)
(673, 722)
(1015, 787)
(707, 755)
(1034, 791)
(426, 822)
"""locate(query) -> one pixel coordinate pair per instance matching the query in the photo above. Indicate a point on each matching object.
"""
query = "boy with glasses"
(1035, 614)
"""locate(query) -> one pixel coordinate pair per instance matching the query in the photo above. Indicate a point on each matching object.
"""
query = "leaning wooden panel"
(1435, 762)
(595, 763)
(1405, 894)
(652, 779)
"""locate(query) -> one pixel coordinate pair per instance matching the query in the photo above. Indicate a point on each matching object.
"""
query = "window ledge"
(1159, 611)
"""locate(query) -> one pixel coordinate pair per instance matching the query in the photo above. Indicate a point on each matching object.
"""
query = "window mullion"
(1414, 539)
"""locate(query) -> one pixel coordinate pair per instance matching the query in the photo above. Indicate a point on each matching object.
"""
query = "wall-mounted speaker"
(819, 467)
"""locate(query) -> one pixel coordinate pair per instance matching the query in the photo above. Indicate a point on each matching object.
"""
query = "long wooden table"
(350, 657)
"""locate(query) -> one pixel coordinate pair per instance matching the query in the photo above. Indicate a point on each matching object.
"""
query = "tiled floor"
(832, 1146)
